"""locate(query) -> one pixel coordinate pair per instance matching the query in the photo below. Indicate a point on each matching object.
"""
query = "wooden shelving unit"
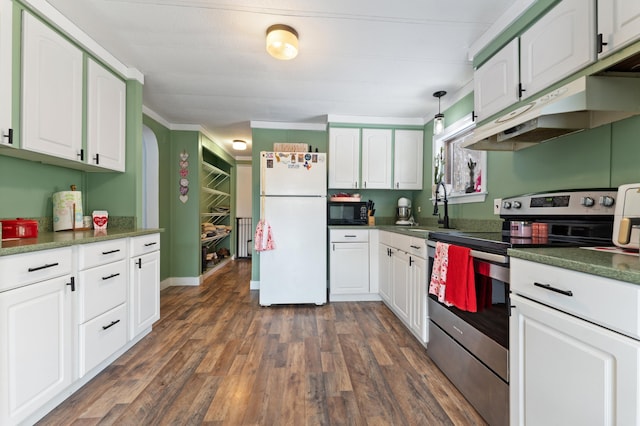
(215, 204)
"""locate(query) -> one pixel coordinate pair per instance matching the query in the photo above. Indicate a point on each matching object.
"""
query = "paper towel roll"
(67, 210)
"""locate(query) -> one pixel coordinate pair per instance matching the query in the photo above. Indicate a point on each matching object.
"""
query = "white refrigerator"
(293, 202)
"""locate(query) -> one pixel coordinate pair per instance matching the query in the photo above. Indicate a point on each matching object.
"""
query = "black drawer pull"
(415, 247)
(37, 268)
(557, 290)
(151, 244)
(111, 251)
(110, 276)
(104, 327)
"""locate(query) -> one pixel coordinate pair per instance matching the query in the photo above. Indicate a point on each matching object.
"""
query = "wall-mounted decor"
(184, 172)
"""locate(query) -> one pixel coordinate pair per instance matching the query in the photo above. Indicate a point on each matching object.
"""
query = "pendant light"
(239, 145)
(282, 42)
(438, 120)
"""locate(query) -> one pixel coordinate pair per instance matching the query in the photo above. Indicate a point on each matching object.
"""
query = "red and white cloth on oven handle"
(453, 277)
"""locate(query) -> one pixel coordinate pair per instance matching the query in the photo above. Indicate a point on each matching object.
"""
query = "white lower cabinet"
(36, 333)
(144, 285)
(402, 269)
(349, 265)
(565, 369)
(66, 313)
(102, 289)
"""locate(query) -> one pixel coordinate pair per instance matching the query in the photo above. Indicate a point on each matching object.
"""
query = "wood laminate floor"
(216, 357)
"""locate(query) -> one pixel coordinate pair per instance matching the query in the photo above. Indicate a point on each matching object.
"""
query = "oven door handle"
(490, 257)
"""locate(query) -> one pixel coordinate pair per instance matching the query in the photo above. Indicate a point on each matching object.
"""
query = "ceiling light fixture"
(438, 120)
(282, 42)
(239, 145)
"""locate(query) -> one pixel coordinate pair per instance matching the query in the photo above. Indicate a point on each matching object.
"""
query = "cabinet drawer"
(401, 242)
(101, 337)
(349, 235)
(29, 268)
(418, 247)
(102, 288)
(144, 244)
(613, 304)
(90, 255)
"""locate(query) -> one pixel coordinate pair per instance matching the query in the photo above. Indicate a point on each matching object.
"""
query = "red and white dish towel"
(453, 277)
(263, 240)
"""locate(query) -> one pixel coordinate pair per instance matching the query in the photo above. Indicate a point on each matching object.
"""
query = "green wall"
(604, 157)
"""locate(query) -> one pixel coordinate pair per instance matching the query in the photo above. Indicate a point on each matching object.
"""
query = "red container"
(19, 228)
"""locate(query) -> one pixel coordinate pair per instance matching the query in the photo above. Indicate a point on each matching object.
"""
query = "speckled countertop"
(50, 240)
(623, 267)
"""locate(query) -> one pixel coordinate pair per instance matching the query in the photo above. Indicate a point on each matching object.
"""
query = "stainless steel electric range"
(472, 349)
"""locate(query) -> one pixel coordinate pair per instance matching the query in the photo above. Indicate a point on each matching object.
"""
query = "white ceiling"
(205, 63)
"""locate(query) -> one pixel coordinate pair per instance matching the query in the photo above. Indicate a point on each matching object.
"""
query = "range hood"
(585, 103)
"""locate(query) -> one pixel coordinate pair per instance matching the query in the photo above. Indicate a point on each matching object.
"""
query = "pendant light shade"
(239, 145)
(438, 120)
(282, 42)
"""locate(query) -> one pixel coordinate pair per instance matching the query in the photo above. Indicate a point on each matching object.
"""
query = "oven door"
(472, 348)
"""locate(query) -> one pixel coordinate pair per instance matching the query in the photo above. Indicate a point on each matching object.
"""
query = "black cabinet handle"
(72, 284)
(151, 244)
(139, 263)
(415, 247)
(9, 136)
(38, 268)
(81, 155)
(111, 251)
(110, 276)
(600, 43)
(104, 327)
(557, 290)
(520, 90)
(411, 261)
(97, 158)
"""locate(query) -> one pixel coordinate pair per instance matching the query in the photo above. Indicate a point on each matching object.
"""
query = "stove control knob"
(506, 205)
(517, 204)
(607, 201)
(587, 201)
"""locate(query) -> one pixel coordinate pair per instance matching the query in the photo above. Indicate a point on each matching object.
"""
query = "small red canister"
(19, 228)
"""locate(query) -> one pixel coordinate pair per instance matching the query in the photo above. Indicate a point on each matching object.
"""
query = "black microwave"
(347, 213)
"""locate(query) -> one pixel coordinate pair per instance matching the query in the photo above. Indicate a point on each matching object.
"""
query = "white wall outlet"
(497, 202)
(419, 209)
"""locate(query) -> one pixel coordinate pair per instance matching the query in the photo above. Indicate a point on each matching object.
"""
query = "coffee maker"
(403, 212)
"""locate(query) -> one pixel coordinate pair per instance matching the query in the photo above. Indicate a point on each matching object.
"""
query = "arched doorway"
(150, 185)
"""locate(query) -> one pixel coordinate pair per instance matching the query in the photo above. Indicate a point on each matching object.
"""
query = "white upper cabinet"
(560, 43)
(344, 158)
(106, 118)
(618, 24)
(407, 170)
(376, 158)
(51, 92)
(5, 71)
(495, 83)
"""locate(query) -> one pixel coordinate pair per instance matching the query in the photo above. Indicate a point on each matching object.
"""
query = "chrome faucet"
(445, 220)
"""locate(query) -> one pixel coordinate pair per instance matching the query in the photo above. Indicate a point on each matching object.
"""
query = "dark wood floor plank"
(218, 358)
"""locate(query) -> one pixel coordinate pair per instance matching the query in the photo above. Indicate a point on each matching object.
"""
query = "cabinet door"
(618, 24)
(106, 118)
(35, 346)
(418, 284)
(568, 371)
(344, 158)
(561, 42)
(384, 273)
(401, 292)
(6, 92)
(376, 158)
(51, 92)
(349, 268)
(495, 83)
(407, 170)
(145, 292)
